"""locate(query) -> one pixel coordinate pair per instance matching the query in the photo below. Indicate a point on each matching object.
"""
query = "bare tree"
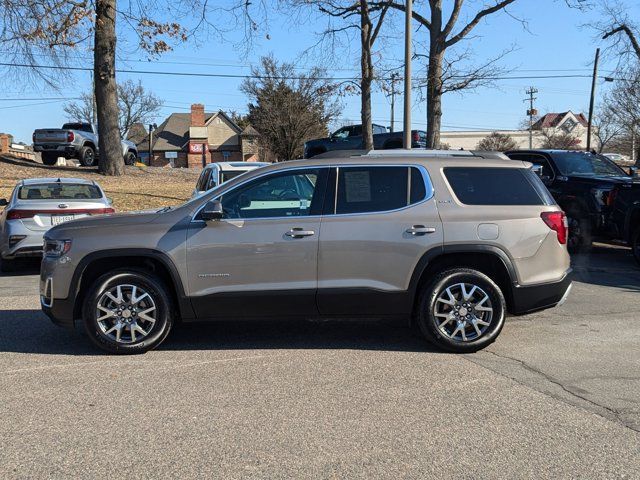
(356, 15)
(607, 127)
(56, 29)
(135, 105)
(497, 142)
(289, 108)
(443, 34)
(619, 28)
(558, 140)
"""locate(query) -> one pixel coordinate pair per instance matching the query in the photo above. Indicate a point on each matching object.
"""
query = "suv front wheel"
(127, 312)
(461, 310)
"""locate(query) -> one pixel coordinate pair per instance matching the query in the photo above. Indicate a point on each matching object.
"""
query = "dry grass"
(139, 189)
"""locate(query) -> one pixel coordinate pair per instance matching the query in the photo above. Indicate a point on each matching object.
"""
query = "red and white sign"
(196, 147)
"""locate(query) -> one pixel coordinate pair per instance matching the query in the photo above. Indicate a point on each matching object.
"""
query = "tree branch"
(472, 24)
(632, 38)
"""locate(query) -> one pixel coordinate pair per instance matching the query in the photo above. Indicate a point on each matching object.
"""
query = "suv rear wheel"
(461, 310)
(87, 157)
(127, 311)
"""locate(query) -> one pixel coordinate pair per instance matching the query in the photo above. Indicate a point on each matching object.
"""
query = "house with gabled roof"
(197, 138)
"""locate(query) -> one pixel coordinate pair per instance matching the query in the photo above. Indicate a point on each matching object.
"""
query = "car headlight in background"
(56, 248)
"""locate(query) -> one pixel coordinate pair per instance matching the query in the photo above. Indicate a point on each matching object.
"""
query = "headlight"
(56, 248)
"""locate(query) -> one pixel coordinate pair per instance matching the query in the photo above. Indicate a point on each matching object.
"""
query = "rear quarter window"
(496, 186)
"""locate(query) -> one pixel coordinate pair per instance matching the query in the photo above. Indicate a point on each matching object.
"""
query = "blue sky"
(555, 44)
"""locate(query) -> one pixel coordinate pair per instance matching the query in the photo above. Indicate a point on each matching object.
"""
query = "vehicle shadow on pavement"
(298, 334)
(24, 267)
(607, 266)
(30, 331)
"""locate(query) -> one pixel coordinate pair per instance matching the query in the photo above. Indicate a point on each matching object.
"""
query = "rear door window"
(378, 189)
(493, 186)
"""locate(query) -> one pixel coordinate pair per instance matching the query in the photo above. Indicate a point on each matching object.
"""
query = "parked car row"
(452, 241)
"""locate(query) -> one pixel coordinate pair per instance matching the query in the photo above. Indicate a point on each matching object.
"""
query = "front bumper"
(531, 298)
(59, 311)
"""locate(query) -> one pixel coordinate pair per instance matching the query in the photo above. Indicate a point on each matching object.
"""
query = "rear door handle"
(299, 233)
(419, 230)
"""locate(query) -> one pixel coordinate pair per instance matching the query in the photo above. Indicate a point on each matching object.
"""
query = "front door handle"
(299, 233)
(419, 230)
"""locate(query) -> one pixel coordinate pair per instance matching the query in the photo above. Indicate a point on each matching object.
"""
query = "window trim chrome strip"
(429, 191)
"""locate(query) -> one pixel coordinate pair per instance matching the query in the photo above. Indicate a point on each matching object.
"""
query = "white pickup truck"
(75, 140)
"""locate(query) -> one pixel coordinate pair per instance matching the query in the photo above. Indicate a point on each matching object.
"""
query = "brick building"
(197, 138)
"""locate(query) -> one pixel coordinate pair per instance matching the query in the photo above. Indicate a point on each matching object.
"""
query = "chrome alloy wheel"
(126, 313)
(463, 312)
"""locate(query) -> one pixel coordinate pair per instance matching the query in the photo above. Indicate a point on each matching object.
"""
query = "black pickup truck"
(600, 199)
(350, 138)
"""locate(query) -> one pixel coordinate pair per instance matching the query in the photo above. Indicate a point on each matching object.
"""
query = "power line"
(246, 76)
(39, 98)
(29, 104)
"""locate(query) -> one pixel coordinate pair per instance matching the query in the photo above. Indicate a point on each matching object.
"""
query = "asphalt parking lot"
(558, 395)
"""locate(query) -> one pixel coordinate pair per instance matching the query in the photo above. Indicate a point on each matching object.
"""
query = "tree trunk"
(366, 67)
(111, 160)
(434, 99)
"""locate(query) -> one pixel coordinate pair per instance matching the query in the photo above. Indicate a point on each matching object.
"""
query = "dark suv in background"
(600, 199)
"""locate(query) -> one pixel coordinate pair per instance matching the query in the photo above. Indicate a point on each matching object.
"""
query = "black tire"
(87, 157)
(635, 244)
(130, 158)
(159, 297)
(8, 266)
(49, 158)
(579, 240)
(442, 333)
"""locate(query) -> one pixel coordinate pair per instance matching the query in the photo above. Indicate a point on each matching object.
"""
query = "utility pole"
(531, 112)
(394, 77)
(152, 127)
(406, 137)
(593, 98)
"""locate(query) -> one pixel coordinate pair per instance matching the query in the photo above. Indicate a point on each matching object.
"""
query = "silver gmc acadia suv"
(450, 241)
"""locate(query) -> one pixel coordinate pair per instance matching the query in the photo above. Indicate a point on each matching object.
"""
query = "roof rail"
(419, 152)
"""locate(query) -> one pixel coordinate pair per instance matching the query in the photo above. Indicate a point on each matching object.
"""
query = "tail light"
(611, 198)
(19, 214)
(557, 221)
(415, 136)
(70, 137)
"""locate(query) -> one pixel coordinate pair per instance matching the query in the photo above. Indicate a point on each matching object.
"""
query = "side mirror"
(3, 202)
(110, 201)
(212, 211)
(633, 171)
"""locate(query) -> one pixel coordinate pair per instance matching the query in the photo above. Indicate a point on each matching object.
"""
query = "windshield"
(583, 163)
(59, 191)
